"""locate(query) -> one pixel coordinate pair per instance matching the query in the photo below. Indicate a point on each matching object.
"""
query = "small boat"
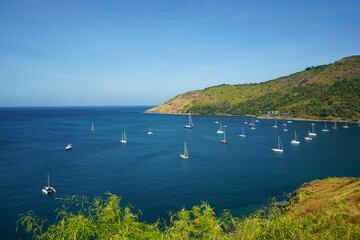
(313, 131)
(243, 133)
(252, 128)
(220, 131)
(284, 123)
(296, 140)
(123, 138)
(275, 126)
(346, 125)
(285, 128)
(280, 146)
(325, 129)
(257, 120)
(217, 121)
(184, 155)
(224, 140)
(334, 127)
(190, 125)
(150, 132)
(92, 127)
(246, 122)
(69, 147)
(308, 138)
(48, 189)
(252, 124)
(289, 121)
(312, 124)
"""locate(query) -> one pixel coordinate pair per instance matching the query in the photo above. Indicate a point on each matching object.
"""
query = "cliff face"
(322, 92)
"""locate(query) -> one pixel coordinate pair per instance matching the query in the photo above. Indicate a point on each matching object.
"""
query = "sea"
(241, 176)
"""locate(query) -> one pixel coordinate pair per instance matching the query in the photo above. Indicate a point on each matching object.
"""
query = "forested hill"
(323, 92)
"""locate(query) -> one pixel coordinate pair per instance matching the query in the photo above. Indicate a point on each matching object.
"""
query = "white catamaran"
(185, 155)
(123, 138)
(280, 146)
(150, 132)
(191, 125)
(243, 133)
(296, 140)
(275, 126)
(92, 127)
(48, 189)
(313, 131)
(220, 131)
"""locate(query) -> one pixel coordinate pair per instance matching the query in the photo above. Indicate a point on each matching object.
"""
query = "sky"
(99, 53)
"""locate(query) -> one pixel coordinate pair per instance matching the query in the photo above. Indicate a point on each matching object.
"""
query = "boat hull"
(277, 150)
(295, 142)
(182, 156)
(222, 141)
(189, 127)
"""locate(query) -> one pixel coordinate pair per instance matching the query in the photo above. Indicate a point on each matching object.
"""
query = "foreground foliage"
(327, 209)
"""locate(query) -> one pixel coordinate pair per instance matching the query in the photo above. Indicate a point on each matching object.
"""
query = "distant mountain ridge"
(323, 92)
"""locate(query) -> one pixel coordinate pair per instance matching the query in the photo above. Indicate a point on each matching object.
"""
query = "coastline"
(262, 117)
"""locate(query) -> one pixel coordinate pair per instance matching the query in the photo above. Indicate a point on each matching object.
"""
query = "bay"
(147, 172)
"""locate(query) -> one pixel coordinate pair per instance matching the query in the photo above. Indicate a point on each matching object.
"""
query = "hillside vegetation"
(323, 209)
(324, 92)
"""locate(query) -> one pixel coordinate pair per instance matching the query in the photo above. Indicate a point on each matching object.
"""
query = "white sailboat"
(325, 129)
(280, 146)
(346, 125)
(313, 131)
(150, 132)
(285, 128)
(275, 126)
(217, 121)
(224, 140)
(252, 124)
(289, 121)
(48, 189)
(308, 138)
(69, 147)
(334, 127)
(284, 123)
(220, 131)
(123, 138)
(190, 125)
(246, 122)
(92, 127)
(243, 133)
(296, 140)
(184, 155)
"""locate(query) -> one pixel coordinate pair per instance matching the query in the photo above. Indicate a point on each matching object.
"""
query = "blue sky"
(64, 53)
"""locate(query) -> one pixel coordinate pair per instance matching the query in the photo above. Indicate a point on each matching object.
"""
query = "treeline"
(340, 100)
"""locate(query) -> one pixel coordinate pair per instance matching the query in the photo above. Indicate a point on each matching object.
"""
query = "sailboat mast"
(48, 180)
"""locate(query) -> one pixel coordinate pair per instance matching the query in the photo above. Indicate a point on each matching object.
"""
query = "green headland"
(326, 92)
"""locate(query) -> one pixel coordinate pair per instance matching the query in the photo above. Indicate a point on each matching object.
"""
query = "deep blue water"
(242, 175)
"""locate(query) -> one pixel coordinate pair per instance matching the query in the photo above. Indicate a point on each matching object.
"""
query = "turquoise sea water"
(147, 172)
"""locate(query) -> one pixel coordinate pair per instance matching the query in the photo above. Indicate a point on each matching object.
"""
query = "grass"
(325, 209)
(303, 94)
